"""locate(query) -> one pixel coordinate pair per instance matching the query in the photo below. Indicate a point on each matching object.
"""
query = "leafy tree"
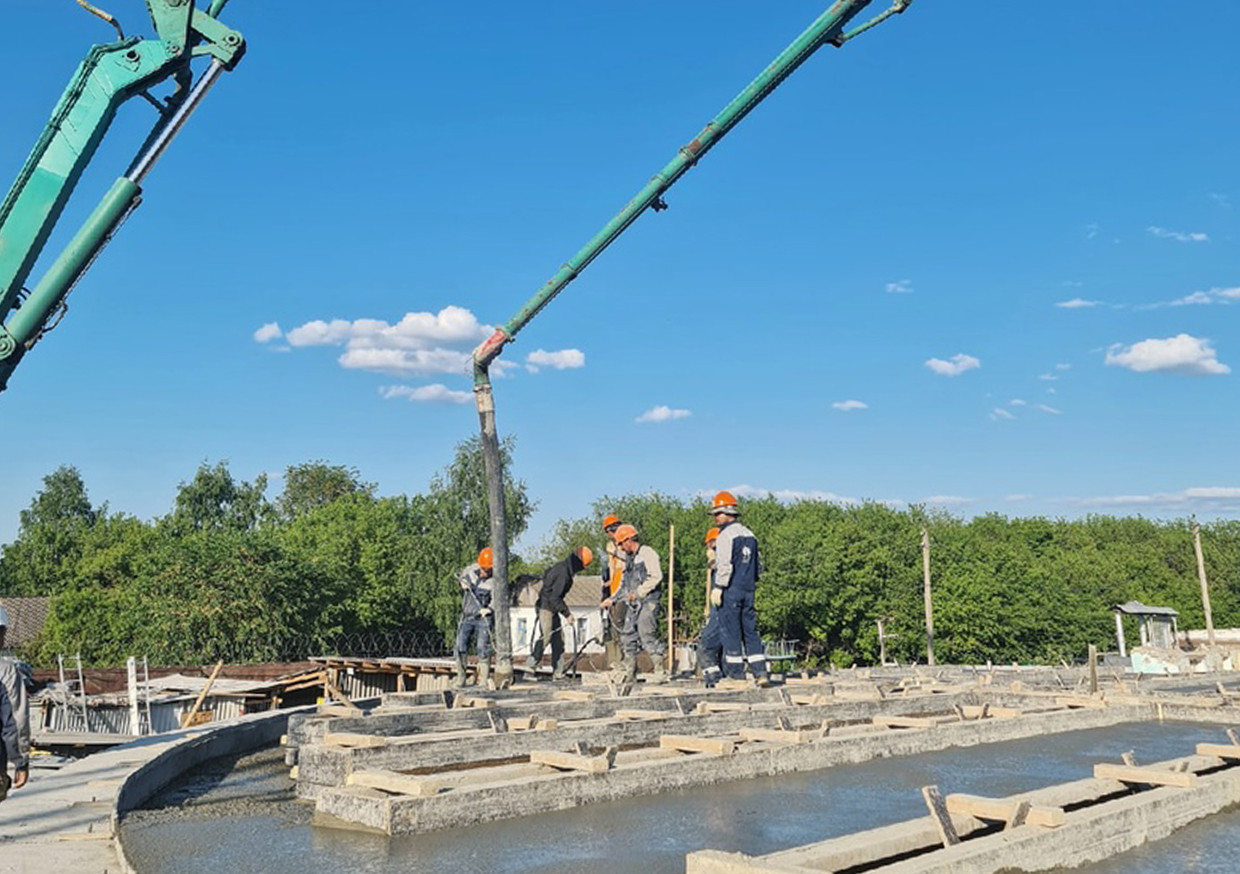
(51, 536)
(314, 484)
(214, 501)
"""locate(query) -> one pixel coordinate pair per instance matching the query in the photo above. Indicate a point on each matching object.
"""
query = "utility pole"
(671, 596)
(1205, 587)
(925, 575)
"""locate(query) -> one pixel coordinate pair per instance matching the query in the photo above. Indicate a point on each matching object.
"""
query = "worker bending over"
(736, 576)
(639, 591)
(556, 582)
(476, 590)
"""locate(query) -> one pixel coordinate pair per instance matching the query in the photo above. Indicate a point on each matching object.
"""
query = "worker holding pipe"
(475, 622)
(737, 569)
(556, 583)
(710, 641)
(639, 591)
(14, 718)
(613, 570)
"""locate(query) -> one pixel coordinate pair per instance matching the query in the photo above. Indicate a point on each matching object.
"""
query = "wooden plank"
(394, 783)
(810, 700)
(782, 736)
(1003, 810)
(462, 701)
(1152, 776)
(569, 695)
(354, 739)
(704, 707)
(905, 721)
(189, 717)
(687, 744)
(1077, 701)
(339, 710)
(939, 816)
(574, 761)
(642, 714)
(1220, 751)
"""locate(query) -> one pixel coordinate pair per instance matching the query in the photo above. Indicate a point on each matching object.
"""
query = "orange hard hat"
(585, 554)
(625, 532)
(712, 535)
(724, 502)
(609, 520)
(486, 559)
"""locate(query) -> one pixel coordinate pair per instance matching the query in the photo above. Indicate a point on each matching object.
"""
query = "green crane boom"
(828, 28)
(110, 75)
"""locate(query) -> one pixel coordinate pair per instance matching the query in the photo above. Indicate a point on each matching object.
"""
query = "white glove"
(716, 596)
(485, 612)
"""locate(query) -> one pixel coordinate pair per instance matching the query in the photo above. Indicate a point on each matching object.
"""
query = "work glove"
(567, 614)
(716, 597)
(485, 612)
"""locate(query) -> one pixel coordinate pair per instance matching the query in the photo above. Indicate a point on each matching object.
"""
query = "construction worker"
(476, 589)
(613, 570)
(710, 640)
(14, 717)
(556, 582)
(639, 590)
(736, 576)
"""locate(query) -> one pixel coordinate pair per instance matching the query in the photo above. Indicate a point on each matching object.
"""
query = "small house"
(587, 628)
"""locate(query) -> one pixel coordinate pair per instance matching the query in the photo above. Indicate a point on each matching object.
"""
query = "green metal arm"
(829, 28)
(110, 75)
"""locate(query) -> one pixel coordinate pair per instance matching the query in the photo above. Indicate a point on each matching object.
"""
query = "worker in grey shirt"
(640, 589)
(14, 718)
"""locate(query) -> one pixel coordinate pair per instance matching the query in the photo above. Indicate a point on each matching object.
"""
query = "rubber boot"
(629, 665)
(659, 674)
(557, 672)
(458, 682)
(484, 674)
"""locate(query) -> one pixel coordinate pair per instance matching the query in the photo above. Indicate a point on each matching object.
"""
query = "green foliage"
(227, 574)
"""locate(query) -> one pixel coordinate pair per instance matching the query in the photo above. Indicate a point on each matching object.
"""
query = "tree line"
(230, 569)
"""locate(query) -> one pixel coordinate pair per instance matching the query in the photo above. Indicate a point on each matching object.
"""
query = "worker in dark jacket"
(14, 717)
(556, 582)
(710, 641)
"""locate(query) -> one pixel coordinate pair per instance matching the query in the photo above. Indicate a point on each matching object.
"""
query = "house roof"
(28, 616)
(584, 593)
(1136, 608)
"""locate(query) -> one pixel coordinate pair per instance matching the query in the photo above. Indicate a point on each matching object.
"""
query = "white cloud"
(1054, 412)
(268, 332)
(434, 394)
(1091, 230)
(1016, 402)
(1078, 303)
(999, 413)
(954, 366)
(1051, 391)
(1179, 236)
(848, 406)
(1208, 498)
(1222, 200)
(564, 359)
(791, 495)
(947, 500)
(1183, 354)
(903, 286)
(1063, 366)
(1048, 377)
(663, 413)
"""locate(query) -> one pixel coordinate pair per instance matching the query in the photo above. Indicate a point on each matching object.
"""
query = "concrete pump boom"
(110, 75)
(829, 28)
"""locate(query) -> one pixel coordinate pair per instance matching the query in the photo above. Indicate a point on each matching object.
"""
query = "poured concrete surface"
(652, 835)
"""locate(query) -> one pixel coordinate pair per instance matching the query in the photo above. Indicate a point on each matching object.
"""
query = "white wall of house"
(588, 621)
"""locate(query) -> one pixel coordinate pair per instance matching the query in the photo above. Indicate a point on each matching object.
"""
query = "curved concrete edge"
(67, 820)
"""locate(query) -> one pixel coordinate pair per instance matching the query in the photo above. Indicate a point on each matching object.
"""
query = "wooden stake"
(925, 573)
(1093, 669)
(671, 596)
(1205, 588)
(938, 813)
(188, 715)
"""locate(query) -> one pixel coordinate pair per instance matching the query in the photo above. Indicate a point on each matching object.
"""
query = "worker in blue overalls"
(736, 577)
(710, 641)
(475, 622)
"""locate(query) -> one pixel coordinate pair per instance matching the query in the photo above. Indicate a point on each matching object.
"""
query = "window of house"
(521, 630)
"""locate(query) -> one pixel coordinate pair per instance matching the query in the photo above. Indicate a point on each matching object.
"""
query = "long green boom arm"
(829, 28)
(110, 75)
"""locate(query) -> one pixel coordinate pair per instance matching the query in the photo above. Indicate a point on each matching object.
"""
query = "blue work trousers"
(710, 649)
(738, 624)
(477, 628)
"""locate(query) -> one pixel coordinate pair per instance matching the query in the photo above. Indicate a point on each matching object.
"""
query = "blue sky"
(1010, 235)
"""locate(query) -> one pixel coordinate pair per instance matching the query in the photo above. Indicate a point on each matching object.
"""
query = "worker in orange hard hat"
(710, 640)
(475, 621)
(556, 582)
(612, 571)
(737, 569)
(640, 589)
